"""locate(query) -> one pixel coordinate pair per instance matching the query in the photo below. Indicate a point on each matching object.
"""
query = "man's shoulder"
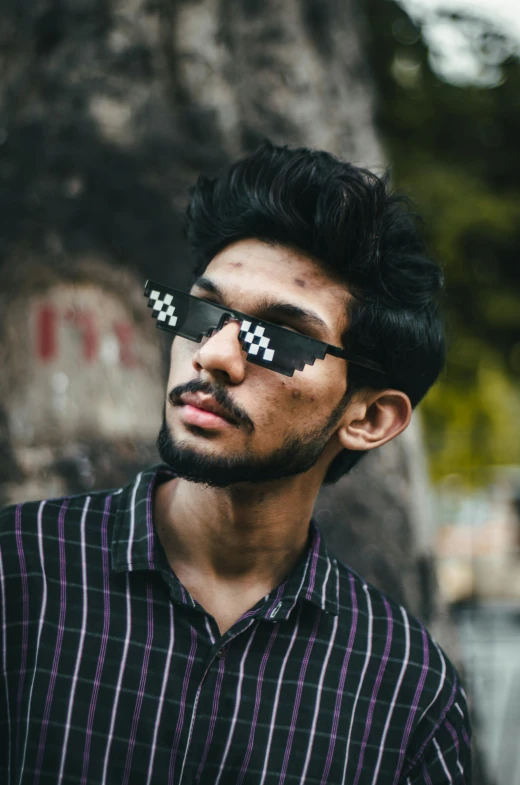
(377, 608)
(29, 516)
(398, 637)
(409, 662)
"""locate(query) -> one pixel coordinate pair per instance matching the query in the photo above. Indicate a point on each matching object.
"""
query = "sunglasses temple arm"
(356, 359)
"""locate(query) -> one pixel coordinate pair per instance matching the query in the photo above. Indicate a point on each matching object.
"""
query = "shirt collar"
(314, 579)
(135, 546)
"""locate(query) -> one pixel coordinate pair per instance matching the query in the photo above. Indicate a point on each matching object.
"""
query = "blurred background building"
(110, 109)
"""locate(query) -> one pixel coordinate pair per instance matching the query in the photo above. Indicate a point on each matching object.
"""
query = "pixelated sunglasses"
(266, 344)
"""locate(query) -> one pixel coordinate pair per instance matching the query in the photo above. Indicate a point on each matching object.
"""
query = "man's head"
(303, 228)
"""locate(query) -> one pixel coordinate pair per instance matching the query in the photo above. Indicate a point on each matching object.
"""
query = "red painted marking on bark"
(46, 333)
(125, 335)
(86, 323)
(48, 319)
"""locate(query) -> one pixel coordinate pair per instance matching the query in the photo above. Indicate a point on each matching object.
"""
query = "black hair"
(349, 220)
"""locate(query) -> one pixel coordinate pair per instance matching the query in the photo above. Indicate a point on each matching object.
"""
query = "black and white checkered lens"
(255, 342)
(162, 308)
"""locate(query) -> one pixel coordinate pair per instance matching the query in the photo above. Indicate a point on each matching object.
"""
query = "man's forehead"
(245, 277)
(295, 294)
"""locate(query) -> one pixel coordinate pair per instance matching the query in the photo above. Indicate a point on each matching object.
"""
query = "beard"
(298, 453)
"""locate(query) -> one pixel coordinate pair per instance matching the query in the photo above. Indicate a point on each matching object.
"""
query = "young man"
(191, 627)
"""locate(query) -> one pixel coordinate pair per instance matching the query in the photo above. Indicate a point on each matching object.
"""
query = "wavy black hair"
(349, 220)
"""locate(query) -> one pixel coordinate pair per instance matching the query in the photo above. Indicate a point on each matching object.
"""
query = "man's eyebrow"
(209, 286)
(296, 313)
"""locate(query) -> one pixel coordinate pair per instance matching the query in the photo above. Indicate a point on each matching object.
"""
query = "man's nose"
(222, 352)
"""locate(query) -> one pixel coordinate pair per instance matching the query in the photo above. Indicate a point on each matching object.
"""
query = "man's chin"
(194, 466)
(217, 472)
(207, 470)
(296, 456)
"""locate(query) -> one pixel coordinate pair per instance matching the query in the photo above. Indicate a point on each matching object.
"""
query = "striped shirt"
(113, 674)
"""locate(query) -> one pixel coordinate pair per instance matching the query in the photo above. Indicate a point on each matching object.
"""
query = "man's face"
(282, 425)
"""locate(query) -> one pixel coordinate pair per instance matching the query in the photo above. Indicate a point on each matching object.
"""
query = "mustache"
(221, 396)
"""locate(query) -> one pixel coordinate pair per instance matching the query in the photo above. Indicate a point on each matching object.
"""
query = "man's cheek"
(182, 350)
(272, 413)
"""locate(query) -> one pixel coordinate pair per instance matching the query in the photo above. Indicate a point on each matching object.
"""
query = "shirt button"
(222, 653)
(275, 611)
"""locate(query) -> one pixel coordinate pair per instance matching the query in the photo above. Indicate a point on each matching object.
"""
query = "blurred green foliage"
(455, 148)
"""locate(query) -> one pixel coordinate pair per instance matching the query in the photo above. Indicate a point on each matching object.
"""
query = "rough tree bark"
(109, 109)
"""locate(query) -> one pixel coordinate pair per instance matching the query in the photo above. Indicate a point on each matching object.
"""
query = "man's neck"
(239, 537)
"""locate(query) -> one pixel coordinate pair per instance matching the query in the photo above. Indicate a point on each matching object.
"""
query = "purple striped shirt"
(113, 674)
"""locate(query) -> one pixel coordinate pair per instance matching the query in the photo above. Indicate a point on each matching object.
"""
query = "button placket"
(193, 719)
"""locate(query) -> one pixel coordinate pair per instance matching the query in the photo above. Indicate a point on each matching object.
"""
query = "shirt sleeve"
(446, 757)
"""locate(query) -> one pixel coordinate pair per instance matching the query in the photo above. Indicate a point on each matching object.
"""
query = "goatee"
(298, 453)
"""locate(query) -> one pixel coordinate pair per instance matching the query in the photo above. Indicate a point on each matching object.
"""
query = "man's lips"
(203, 419)
(204, 411)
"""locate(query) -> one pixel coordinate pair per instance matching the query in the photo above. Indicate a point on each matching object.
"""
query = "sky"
(453, 53)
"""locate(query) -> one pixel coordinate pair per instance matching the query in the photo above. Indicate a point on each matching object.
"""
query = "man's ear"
(375, 420)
